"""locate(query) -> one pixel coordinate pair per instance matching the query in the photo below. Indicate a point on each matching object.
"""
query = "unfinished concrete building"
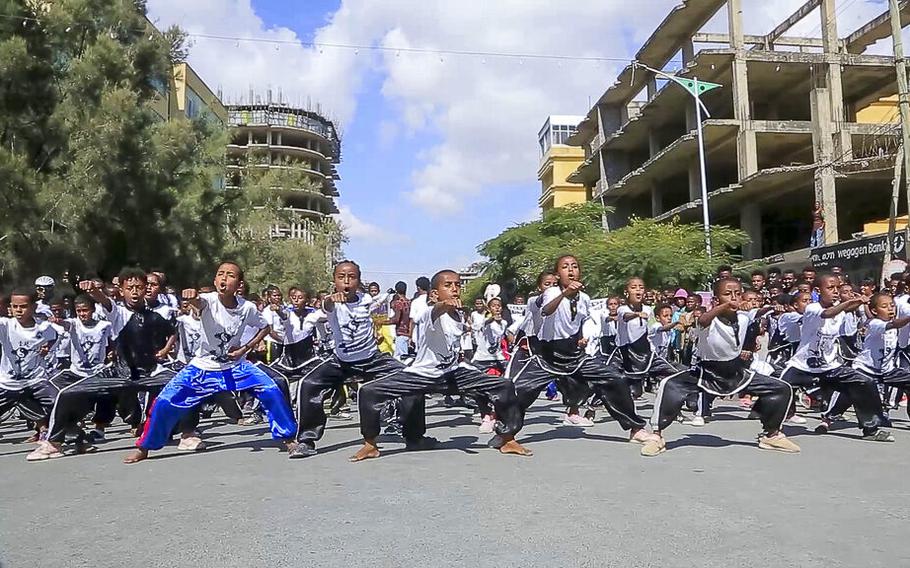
(789, 127)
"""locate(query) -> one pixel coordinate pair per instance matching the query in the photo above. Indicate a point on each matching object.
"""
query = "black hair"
(783, 299)
(438, 276)
(56, 299)
(719, 281)
(809, 268)
(423, 283)
(559, 259)
(758, 273)
(878, 296)
(348, 262)
(724, 268)
(498, 299)
(132, 273)
(543, 274)
(374, 284)
(790, 271)
(819, 278)
(401, 287)
(773, 270)
(271, 288)
(795, 297)
(85, 300)
(29, 293)
(661, 307)
(237, 264)
(254, 297)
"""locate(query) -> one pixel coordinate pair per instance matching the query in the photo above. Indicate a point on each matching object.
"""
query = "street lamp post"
(695, 88)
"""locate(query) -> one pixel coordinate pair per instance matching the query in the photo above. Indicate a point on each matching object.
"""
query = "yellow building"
(557, 161)
(187, 96)
(880, 111)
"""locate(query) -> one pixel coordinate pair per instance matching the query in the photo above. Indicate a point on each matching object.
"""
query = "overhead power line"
(382, 48)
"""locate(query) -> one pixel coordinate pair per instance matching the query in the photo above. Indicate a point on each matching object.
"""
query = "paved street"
(585, 499)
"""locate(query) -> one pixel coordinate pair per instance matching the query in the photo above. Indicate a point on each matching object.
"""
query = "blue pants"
(193, 385)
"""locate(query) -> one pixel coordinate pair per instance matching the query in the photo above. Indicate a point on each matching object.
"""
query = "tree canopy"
(664, 254)
(91, 179)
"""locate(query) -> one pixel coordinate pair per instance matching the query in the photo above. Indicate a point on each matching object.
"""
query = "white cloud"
(483, 113)
(356, 228)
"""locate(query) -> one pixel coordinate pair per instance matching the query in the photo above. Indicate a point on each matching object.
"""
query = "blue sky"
(439, 151)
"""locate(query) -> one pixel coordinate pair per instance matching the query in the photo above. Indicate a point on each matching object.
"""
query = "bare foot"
(136, 455)
(513, 447)
(368, 451)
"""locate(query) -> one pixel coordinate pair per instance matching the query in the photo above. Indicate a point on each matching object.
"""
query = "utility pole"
(892, 212)
(904, 103)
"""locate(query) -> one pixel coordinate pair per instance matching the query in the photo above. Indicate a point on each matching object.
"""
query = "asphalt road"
(586, 498)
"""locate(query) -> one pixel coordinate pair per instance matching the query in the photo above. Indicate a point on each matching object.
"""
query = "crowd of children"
(70, 364)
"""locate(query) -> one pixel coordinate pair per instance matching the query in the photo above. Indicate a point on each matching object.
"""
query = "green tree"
(268, 259)
(664, 254)
(90, 178)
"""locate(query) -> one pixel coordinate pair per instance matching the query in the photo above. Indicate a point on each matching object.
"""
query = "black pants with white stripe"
(574, 393)
(861, 389)
(332, 373)
(604, 378)
(723, 378)
(461, 380)
(898, 379)
(75, 400)
(34, 401)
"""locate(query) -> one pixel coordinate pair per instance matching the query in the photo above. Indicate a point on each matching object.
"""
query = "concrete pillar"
(746, 144)
(652, 88)
(823, 146)
(688, 52)
(750, 222)
(268, 137)
(657, 201)
(249, 137)
(279, 138)
(653, 142)
(694, 180)
(843, 144)
(735, 23)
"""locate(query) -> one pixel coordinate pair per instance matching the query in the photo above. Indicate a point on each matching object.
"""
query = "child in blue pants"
(220, 366)
(193, 385)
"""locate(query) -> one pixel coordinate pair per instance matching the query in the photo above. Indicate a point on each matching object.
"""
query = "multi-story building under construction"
(798, 120)
(278, 138)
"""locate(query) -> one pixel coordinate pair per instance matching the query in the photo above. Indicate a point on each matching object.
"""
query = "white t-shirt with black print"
(88, 346)
(568, 318)
(879, 354)
(62, 346)
(628, 332)
(818, 349)
(903, 311)
(189, 338)
(790, 324)
(660, 340)
(297, 327)
(722, 340)
(438, 347)
(22, 364)
(352, 329)
(489, 346)
(221, 330)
